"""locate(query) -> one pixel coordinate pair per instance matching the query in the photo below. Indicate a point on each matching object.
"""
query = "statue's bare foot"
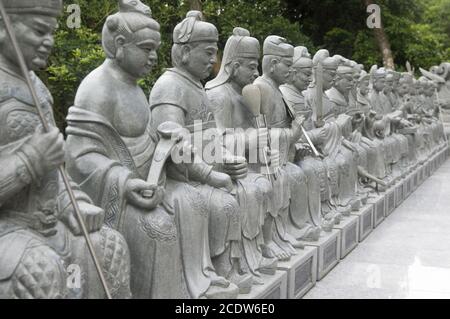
(271, 250)
(257, 281)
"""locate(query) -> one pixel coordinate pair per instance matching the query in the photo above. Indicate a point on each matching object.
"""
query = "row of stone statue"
(330, 134)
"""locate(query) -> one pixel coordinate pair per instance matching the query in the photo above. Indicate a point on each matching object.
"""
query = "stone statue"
(39, 234)
(376, 165)
(255, 192)
(312, 166)
(325, 133)
(293, 221)
(178, 96)
(114, 147)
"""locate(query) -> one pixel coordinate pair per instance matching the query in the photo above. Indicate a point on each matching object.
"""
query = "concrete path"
(406, 256)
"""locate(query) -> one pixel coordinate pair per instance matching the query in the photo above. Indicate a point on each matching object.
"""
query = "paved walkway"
(406, 256)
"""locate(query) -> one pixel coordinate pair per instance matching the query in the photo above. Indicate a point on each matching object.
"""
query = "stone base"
(301, 272)
(365, 215)
(389, 201)
(409, 184)
(349, 228)
(275, 287)
(328, 251)
(399, 192)
(416, 179)
(379, 207)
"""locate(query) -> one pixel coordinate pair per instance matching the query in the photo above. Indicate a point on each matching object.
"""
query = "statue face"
(200, 58)
(245, 71)
(364, 86)
(388, 86)
(282, 70)
(302, 78)
(379, 84)
(328, 79)
(344, 83)
(140, 56)
(403, 89)
(34, 34)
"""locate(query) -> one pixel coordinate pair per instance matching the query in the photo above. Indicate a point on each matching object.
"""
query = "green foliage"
(419, 32)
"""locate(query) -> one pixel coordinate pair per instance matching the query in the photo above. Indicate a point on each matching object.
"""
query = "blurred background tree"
(418, 31)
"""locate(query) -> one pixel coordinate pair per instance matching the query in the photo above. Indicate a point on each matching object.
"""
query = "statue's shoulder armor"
(18, 115)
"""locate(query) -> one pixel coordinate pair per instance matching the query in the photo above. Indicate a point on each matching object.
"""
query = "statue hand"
(297, 126)
(143, 195)
(50, 149)
(319, 123)
(93, 217)
(220, 180)
(236, 167)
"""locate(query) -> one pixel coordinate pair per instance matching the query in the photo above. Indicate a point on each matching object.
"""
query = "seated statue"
(376, 165)
(40, 237)
(179, 96)
(312, 166)
(327, 135)
(240, 68)
(114, 147)
(291, 219)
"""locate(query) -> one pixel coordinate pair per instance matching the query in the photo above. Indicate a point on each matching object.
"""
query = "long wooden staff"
(46, 127)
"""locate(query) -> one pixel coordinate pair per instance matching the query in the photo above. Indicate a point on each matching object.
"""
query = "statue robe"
(254, 191)
(294, 216)
(178, 89)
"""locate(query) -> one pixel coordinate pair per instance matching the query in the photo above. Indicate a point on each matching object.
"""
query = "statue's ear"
(119, 41)
(185, 51)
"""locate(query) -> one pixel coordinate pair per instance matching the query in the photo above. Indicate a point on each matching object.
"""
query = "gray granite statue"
(115, 148)
(178, 96)
(311, 164)
(39, 235)
(239, 68)
(325, 133)
(293, 222)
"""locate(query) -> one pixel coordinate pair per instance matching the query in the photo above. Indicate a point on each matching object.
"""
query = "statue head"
(404, 84)
(134, 6)
(131, 39)
(389, 83)
(302, 69)
(240, 60)
(344, 79)
(395, 79)
(329, 66)
(194, 47)
(278, 59)
(34, 22)
(379, 79)
(363, 83)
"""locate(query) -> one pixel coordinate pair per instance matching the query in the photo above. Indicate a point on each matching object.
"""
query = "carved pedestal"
(275, 287)
(328, 251)
(301, 272)
(379, 207)
(365, 220)
(349, 228)
(389, 201)
(399, 192)
(415, 179)
(409, 185)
